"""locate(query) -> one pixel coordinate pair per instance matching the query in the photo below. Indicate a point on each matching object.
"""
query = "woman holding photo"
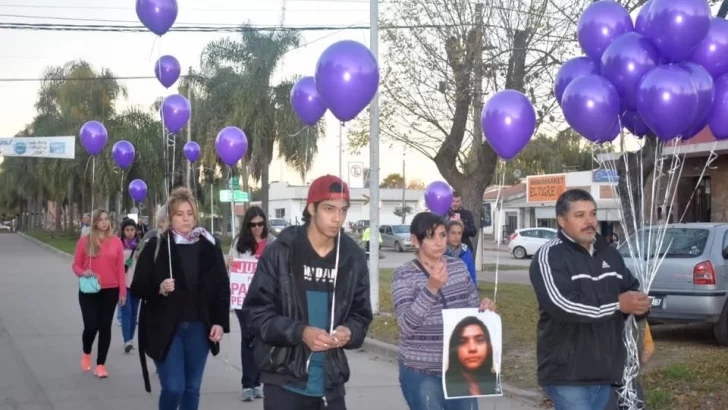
(249, 244)
(421, 289)
(470, 370)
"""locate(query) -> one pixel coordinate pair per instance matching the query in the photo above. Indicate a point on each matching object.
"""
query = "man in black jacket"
(585, 292)
(301, 278)
(459, 213)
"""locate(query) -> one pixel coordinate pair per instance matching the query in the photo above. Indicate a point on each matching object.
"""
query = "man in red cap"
(309, 300)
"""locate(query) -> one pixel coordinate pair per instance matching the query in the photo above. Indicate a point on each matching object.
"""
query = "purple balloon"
(677, 26)
(667, 101)
(610, 134)
(157, 15)
(706, 93)
(571, 70)
(231, 145)
(176, 112)
(640, 23)
(167, 70)
(509, 121)
(93, 137)
(438, 197)
(138, 190)
(591, 107)
(123, 153)
(718, 120)
(192, 151)
(712, 52)
(347, 78)
(307, 102)
(600, 24)
(625, 62)
(632, 121)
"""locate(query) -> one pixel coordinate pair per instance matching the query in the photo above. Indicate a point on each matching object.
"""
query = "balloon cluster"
(346, 80)
(665, 73)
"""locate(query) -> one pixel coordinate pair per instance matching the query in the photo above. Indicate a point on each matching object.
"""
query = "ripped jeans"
(424, 392)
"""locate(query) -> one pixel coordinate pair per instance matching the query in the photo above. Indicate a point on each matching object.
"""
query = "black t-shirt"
(190, 256)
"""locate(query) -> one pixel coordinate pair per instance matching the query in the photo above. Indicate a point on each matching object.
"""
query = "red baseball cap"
(327, 187)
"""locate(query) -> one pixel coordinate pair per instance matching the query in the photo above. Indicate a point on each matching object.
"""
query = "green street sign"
(235, 184)
(240, 196)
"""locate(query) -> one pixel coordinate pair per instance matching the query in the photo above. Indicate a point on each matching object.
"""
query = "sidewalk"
(40, 328)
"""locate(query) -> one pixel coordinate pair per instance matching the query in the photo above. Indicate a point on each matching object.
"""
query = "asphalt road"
(40, 349)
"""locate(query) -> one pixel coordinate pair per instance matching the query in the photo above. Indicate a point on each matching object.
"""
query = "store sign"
(605, 175)
(545, 188)
(38, 147)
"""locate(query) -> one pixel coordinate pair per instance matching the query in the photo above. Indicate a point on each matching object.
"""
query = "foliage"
(415, 184)
(392, 181)
(403, 212)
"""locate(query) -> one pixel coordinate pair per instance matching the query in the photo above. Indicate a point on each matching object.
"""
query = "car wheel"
(720, 329)
(519, 252)
(398, 247)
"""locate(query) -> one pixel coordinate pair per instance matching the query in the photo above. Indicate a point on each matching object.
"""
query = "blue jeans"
(129, 315)
(578, 397)
(424, 392)
(181, 372)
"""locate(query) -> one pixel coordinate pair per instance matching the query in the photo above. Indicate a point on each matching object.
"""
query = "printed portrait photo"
(471, 353)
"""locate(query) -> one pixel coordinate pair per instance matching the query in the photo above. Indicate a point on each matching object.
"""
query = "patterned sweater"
(419, 312)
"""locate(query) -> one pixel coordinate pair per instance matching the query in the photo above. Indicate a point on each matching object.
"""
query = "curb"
(391, 352)
(44, 245)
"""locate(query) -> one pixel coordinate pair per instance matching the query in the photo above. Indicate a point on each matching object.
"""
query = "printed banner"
(38, 147)
(471, 353)
(545, 188)
(241, 274)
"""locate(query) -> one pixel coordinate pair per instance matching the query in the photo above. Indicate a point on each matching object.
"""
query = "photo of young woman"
(472, 367)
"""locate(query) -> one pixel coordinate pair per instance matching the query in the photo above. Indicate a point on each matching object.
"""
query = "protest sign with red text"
(241, 274)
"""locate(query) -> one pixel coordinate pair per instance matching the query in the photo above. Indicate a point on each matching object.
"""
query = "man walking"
(301, 278)
(457, 212)
(85, 224)
(585, 292)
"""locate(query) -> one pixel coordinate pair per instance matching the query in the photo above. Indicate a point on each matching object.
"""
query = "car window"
(401, 229)
(676, 243)
(547, 234)
(528, 233)
(725, 245)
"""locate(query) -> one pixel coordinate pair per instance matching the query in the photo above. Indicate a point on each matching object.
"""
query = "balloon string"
(338, 236)
(93, 183)
(501, 181)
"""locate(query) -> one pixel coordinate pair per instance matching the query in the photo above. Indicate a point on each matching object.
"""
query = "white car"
(525, 242)
(5, 228)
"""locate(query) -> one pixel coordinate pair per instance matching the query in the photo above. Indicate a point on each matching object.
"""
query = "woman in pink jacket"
(99, 255)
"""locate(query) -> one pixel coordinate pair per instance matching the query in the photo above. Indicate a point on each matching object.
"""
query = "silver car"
(396, 236)
(691, 285)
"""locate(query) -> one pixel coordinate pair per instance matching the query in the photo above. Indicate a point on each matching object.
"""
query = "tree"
(402, 212)
(435, 76)
(392, 181)
(415, 184)
(236, 87)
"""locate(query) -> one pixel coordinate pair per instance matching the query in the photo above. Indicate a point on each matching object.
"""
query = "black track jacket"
(580, 325)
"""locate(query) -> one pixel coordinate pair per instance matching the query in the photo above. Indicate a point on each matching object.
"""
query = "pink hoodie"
(108, 265)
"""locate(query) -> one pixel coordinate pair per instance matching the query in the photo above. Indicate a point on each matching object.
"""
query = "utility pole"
(404, 187)
(374, 166)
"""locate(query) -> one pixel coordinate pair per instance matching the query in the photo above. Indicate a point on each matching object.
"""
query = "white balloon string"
(501, 181)
(338, 236)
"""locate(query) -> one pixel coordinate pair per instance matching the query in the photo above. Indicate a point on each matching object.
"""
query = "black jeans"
(278, 398)
(251, 374)
(97, 310)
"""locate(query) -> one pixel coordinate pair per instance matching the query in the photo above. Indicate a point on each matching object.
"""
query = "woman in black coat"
(185, 309)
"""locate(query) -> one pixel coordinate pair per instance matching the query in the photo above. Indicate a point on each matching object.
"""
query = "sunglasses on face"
(256, 224)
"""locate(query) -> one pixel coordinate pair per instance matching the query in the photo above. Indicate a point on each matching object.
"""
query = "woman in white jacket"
(249, 245)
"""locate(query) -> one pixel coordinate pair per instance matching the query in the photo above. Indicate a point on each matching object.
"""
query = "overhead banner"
(38, 147)
(356, 175)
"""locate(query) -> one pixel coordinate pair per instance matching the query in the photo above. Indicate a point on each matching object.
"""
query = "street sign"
(235, 184)
(240, 196)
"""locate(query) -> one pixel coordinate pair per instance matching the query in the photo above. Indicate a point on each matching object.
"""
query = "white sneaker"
(128, 347)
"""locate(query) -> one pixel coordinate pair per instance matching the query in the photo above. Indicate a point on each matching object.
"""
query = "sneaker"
(248, 395)
(86, 362)
(118, 322)
(128, 347)
(258, 393)
(101, 372)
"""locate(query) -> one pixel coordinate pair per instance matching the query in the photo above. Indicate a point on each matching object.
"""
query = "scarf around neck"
(131, 244)
(192, 237)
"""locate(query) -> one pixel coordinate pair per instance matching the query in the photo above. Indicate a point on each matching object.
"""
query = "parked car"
(525, 242)
(396, 236)
(5, 228)
(277, 225)
(691, 284)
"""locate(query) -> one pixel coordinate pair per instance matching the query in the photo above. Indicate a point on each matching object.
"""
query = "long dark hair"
(246, 240)
(485, 375)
